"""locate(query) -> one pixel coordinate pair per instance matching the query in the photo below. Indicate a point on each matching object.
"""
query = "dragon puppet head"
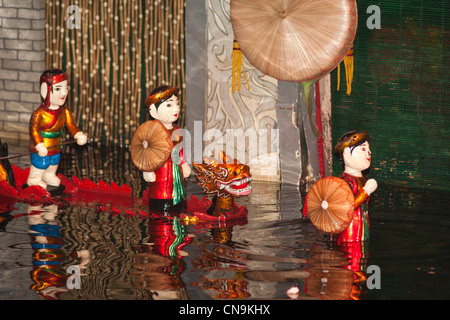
(226, 178)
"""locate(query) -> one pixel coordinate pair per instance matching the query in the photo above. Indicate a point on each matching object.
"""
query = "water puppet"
(157, 150)
(47, 125)
(225, 179)
(339, 205)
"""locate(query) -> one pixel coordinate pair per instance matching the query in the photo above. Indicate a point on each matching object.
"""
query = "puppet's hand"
(149, 176)
(370, 186)
(186, 170)
(81, 138)
(41, 149)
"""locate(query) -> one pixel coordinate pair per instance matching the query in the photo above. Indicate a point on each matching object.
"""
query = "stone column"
(195, 77)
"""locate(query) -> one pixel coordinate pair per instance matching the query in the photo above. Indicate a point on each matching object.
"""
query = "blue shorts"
(44, 162)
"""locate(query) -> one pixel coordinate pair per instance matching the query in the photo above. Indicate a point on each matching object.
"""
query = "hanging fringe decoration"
(238, 67)
(348, 62)
(320, 151)
(349, 67)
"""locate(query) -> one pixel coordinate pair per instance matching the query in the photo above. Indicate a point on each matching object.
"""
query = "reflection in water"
(49, 276)
(327, 274)
(274, 254)
(357, 254)
(6, 207)
(159, 264)
(130, 257)
(218, 254)
(49, 279)
(276, 250)
(330, 277)
(111, 241)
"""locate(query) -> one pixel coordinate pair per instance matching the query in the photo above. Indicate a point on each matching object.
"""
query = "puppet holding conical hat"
(46, 129)
(156, 149)
(338, 205)
(353, 149)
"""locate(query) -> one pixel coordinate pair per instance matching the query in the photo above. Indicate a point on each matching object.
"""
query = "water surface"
(134, 257)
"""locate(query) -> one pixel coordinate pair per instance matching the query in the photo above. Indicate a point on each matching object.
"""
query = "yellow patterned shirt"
(47, 126)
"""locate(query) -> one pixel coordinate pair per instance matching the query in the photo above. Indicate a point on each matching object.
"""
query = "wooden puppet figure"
(46, 128)
(226, 179)
(353, 149)
(166, 185)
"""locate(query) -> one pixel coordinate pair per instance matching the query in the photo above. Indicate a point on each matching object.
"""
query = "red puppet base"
(115, 199)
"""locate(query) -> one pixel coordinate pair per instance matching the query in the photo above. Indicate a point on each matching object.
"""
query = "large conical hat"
(151, 146)
(330, 205)
(294, 40)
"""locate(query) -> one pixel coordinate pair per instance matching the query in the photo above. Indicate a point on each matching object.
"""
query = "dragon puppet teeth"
(243, 191)
(239, 182)
(233, 182)
(239, 187)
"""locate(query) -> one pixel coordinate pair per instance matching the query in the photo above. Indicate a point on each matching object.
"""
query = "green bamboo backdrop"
(401, 92)
(123, 50)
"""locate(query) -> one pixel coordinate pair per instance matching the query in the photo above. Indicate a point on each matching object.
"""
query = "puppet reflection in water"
(48, 275)
(224, 258)
(49, 278)
(158, 264)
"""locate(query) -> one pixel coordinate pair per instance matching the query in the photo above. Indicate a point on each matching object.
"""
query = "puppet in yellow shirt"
(46, 128)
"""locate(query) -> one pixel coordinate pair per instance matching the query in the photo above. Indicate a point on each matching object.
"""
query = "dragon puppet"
(225, 179)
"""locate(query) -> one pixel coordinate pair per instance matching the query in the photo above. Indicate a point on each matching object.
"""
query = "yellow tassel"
(348, 62)
(349, 66)
(238, 67)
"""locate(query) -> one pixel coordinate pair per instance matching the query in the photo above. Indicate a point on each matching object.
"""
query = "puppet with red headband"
(46, 128)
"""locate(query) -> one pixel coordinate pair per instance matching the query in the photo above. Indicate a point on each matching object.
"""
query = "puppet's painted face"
(358, 159)
(167, 112)
(58, 94)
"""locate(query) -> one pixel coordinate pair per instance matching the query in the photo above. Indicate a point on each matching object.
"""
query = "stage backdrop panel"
(400, 93)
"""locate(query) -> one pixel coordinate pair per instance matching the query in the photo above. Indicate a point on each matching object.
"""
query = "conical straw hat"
(294, 40)
(151, 146)
(330, 205)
